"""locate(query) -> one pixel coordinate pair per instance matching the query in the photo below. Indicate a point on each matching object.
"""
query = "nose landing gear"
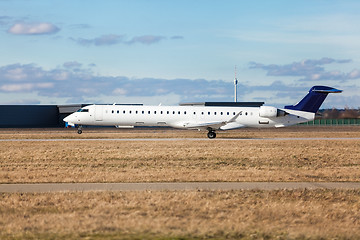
(80, 130)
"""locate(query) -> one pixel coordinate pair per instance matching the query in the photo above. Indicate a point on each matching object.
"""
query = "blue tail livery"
(313, 100)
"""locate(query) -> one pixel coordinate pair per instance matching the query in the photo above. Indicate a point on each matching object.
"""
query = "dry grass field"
(181, 160)
(299, 214)
(282, 214)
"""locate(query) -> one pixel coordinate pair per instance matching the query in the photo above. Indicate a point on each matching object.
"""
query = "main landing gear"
(211, 134)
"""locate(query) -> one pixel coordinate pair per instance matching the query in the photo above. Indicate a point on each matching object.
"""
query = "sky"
(167, 52)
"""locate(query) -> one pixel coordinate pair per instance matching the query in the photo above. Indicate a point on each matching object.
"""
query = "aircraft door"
(98, 113)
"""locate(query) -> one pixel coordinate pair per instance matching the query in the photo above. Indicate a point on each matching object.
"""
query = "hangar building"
(35, 116)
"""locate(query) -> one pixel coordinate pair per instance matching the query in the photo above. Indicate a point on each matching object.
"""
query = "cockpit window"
(83, 110)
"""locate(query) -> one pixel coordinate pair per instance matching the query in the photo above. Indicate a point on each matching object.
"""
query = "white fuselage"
(193, 117)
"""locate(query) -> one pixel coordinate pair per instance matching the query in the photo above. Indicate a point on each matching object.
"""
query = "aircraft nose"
(69, 118)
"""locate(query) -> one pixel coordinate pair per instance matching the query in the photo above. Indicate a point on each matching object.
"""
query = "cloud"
(72, 80)
(23, 101)
(75, 83)
(18, 72)
(23, 87)
(72, 64)
(80, 26)
(310, 70)
(104, 40)
(146, 39)
(33, 28)
(4, 20)
(110, 39)
(113, 39)
(177, 37)
(354, 74)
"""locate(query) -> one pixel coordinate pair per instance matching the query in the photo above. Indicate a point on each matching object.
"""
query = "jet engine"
(271, 112)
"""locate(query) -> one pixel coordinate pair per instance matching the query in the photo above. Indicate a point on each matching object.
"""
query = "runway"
(171, 139)
(176, 186)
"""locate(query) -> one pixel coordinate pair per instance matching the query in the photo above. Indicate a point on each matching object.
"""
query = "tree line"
(334, 113)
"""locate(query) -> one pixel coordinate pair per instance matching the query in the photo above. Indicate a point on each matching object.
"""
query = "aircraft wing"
(212, 125)
(205, 126)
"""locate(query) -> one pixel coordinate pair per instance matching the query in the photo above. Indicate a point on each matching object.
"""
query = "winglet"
(313, 100)
(233, 119)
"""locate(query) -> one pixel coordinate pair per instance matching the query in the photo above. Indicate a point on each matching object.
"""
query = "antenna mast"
(235, 85)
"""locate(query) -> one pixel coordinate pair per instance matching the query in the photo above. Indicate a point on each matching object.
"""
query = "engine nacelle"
(271, 112)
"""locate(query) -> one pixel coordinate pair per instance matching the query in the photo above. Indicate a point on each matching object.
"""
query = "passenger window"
(161, 112)
(112, 111)
(154, 112)
(142, 112)
(208, 113)
(148, 112)
(167, 112)
(178, 112)
(173, 112)
(227, 113)
(221, 113)
(214, 113)
(202, 113)
(246, 113)
(194, 113)
(234, 113)
(184, 112)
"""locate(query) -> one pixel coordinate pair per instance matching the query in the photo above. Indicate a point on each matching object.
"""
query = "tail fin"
(313, 100)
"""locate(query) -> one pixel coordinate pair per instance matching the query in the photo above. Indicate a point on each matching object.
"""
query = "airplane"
(208, 116)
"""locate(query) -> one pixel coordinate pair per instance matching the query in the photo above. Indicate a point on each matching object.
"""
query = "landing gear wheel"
(211, 134)
(79, 131)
